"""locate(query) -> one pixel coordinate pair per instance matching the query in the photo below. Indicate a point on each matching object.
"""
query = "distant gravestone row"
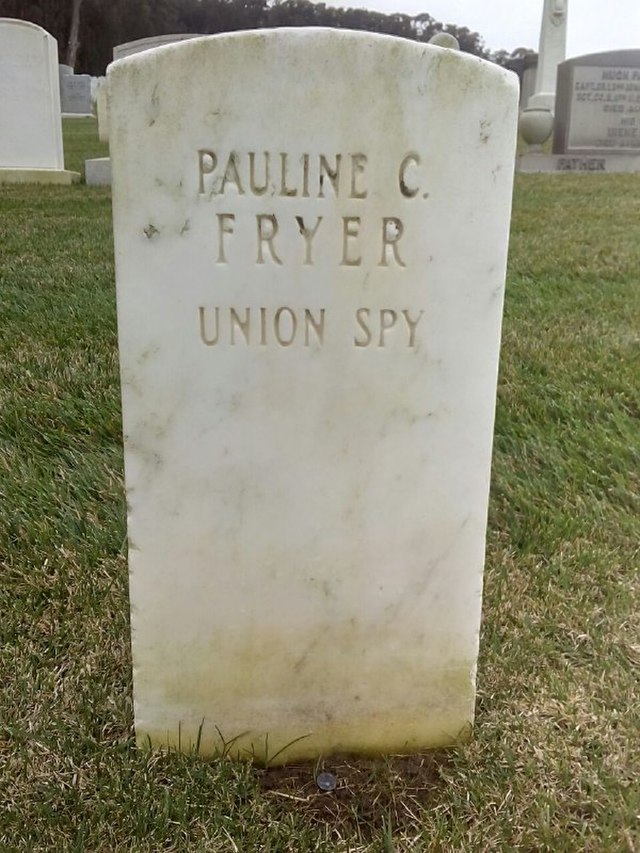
(309, 369)
(35, 91)
(98, 170)
(30, 121)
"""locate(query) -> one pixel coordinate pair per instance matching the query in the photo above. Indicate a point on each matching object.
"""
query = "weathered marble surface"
(307, 476)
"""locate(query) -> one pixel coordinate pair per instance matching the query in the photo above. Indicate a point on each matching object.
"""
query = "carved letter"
(311, 323)
(243, 325)
(266, 235)
(210, 342)
(224, 227)
(386, 324)
(407, 191)
(255, 189)
(332, 174)
(392, 230)
(276, 326)
(412, 324)
(263, 327)
(362, 314)
(308, 237)
(284, 189)
(231, 175)
(305, 176)
(351, 228)
(207, 161)
(358, 162)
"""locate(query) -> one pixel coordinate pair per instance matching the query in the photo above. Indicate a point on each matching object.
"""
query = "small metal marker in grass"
(326, 781)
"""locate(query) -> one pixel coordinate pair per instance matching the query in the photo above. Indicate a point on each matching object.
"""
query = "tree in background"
(74, 34)
(87, 30)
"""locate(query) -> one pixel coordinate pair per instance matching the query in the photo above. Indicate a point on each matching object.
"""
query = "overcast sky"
(593, 26)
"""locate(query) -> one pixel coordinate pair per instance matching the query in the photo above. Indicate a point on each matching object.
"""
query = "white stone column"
(552, 51)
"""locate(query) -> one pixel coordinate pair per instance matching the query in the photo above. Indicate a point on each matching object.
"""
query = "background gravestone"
(129, 48)
(31, 127)
(598, 104)
(98, 170)
(75, 94)
(309, 366)
(102, 110)
(597, 121)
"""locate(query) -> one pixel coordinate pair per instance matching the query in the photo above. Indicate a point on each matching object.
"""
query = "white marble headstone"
(31, 135)
(310, 270)
(30, 123)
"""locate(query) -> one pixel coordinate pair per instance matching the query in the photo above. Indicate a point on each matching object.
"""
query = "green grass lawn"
(554, 764)
(81, 143)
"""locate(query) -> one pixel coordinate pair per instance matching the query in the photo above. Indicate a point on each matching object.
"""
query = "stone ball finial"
(535, 126)
(445, 40)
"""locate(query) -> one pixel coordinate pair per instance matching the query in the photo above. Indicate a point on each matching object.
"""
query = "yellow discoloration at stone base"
(392, 733)
(39, 176)
(405, 709)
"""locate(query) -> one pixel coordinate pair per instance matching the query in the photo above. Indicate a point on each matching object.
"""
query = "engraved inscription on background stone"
(605, 108)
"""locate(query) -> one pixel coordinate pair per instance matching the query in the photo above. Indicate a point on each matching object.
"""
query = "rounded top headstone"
(31, 136)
